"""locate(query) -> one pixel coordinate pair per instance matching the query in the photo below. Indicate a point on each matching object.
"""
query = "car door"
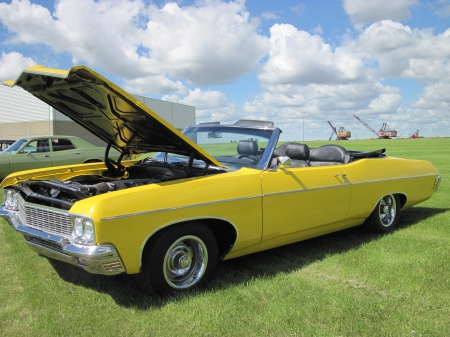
(65, 152)
(34, 154)
(300, 200)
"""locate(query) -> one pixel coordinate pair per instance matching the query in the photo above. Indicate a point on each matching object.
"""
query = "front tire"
(179, 258)
(385, 216)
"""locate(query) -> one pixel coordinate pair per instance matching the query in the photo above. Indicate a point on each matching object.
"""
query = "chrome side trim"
(178, 208)
(346, 183)
(303, 190)
(392, 179)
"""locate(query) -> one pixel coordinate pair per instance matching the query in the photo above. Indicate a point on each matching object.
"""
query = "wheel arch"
(92, 160)
(402, 196)
(224, 231)
(403, 199)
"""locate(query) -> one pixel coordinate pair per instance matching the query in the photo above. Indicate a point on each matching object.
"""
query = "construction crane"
(366, 125)
(332, 128)
(384, 133)
(342, 134)
(415, 135)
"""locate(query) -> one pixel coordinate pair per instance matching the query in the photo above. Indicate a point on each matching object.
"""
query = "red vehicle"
(414, 135)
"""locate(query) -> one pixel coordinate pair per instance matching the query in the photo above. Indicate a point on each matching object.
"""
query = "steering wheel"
(252, 157)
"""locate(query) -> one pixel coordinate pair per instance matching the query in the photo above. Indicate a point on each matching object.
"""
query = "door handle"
(46, 156)
(343, 176)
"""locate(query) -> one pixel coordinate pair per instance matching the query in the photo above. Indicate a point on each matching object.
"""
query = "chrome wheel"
(185, 262)
(387, 210)
(385, 215)
(179, 258)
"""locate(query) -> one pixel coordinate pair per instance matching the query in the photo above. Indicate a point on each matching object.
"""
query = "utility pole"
(303, 113)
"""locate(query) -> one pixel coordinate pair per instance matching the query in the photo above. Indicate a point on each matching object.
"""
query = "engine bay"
(63, 194)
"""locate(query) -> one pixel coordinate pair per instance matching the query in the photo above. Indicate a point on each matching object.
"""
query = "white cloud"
(323, 100)
(298, 57)
(212, 42)
(317, 30)
(386, 103)
(441, 8)
(228, 114)
(435, 97)
(173, 48)
(269, 15)
(299, 9)
(101, 34)
(202, 100)
(158, 84)
(399, 51)
(11, 65)
(367, 11)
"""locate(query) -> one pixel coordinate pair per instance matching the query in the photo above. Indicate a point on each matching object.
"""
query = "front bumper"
(102, 259)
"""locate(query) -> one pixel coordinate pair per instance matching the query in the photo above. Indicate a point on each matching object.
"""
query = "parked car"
(211, 193)
(45, 151)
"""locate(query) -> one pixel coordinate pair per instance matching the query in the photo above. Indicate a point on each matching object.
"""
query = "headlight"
(15, 200)
(89, 230)
(11, 198)
(78, 227)
(83, 230)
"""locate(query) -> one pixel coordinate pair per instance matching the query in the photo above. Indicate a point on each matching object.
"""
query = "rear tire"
(179, 258)
(385, 216)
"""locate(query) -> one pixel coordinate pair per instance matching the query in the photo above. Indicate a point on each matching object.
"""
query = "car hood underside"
(109, 112)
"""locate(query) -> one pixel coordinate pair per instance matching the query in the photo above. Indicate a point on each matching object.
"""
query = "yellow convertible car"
(210, 193)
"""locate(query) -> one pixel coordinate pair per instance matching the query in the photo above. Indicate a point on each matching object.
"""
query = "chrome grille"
(46, 220)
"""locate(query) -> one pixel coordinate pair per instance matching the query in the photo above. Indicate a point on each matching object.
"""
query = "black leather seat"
(247, 148)
(329, 155)
(298, 153)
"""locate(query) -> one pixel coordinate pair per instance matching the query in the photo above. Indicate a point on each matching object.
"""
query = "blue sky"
(291, 62)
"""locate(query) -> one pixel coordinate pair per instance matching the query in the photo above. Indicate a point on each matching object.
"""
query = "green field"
(344, 284)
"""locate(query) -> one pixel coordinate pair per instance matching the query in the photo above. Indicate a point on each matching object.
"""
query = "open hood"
(107, 111)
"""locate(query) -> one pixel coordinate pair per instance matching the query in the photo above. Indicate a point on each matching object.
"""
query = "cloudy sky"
(297, 63)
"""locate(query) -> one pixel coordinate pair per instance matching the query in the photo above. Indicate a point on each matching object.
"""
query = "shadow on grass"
(125, 291)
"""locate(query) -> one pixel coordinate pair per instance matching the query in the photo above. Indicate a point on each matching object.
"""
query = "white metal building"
(23, 115)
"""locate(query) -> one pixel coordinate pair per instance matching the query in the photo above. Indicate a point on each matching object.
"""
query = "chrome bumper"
(102, 259)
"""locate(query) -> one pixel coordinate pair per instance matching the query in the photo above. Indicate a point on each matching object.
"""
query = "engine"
(63, 194)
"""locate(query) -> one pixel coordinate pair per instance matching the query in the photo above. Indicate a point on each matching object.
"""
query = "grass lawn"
(348, 283)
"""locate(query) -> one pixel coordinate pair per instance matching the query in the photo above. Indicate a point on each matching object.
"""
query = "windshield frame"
(238, 129)
(15, 147)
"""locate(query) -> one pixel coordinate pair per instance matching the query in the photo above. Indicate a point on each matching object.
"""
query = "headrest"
(333, 153)
(247, 147)
(280, 151)
(297, 151)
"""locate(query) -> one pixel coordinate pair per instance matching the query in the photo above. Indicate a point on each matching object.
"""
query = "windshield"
(232, 146)
(16, 146)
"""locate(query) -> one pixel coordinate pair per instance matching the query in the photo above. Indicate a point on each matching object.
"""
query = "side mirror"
(283, 162)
